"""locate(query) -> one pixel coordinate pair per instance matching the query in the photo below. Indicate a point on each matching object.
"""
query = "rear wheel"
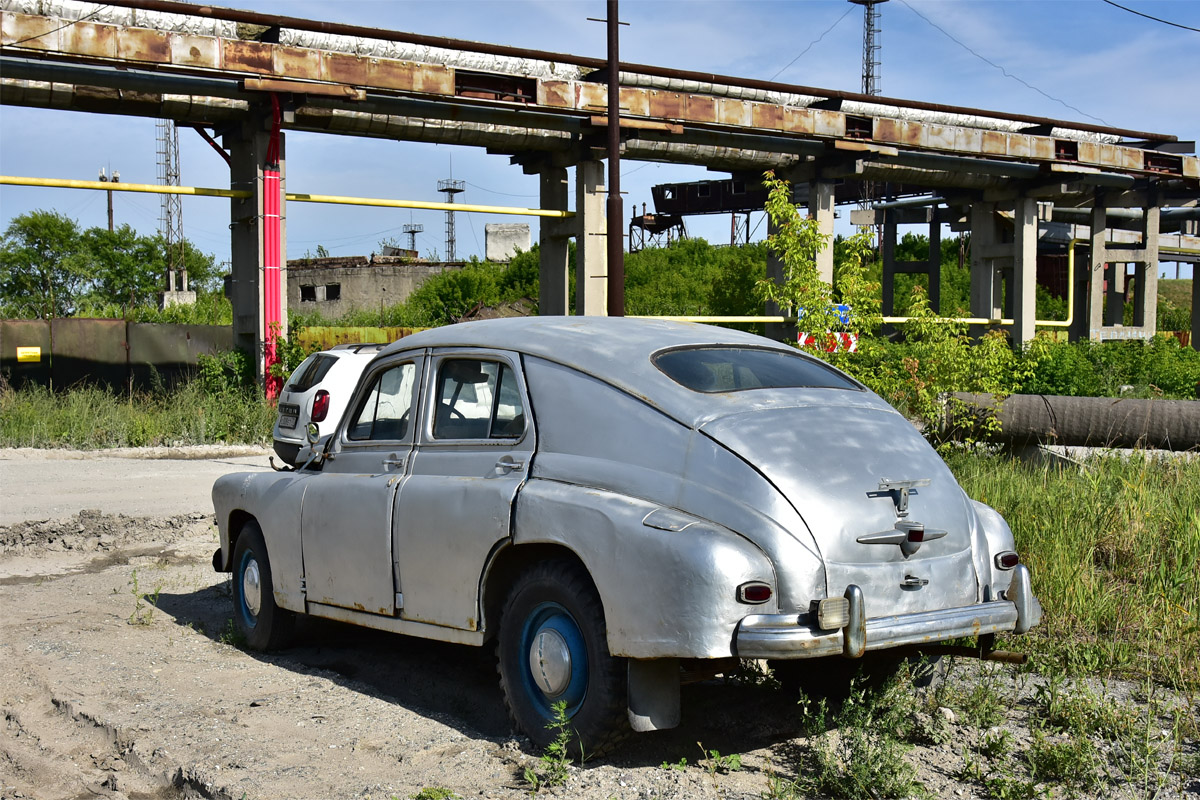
(264, 625)
(553, 649)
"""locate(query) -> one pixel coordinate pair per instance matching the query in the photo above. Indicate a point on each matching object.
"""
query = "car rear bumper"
(797, 636)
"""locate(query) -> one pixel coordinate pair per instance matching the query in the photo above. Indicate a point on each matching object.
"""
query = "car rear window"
(733, 369)
(312, 373)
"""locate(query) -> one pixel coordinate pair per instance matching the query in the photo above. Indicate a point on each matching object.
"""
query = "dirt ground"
(119, 680)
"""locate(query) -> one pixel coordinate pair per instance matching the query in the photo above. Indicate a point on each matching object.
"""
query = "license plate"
(288, 414)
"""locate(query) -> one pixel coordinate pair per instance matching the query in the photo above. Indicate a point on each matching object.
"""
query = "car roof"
(616, 350)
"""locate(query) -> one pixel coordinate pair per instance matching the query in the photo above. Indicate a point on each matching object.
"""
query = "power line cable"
(493, 191)
(1156, 19)
(1006, 73)
(813, 43)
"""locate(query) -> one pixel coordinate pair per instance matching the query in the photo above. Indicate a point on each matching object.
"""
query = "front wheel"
(553, 649)
(264, 625)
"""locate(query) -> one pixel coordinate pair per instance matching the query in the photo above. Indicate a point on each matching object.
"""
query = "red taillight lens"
(1007, 560)
(320, 406)
(754, 593)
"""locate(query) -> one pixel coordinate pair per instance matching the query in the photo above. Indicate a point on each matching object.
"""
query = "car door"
(346, 522)
(473, 453)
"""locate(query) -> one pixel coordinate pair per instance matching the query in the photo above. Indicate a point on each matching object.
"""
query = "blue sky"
(1104, 62)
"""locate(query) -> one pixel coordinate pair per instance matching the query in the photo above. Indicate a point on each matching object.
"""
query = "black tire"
(264, 625)
(555, 604)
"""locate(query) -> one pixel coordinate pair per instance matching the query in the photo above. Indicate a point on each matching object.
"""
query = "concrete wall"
(504, 239)
(335, 286)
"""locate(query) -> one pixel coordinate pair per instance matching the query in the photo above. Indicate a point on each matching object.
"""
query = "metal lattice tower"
(870, 76)
(450, 187)
(870, 57)
(170, 220)
(412, 230)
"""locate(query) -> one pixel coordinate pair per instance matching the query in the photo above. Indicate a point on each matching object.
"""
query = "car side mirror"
(311, 453)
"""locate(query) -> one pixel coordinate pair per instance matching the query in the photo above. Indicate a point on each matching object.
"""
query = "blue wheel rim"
(553, 616)
(249, 619)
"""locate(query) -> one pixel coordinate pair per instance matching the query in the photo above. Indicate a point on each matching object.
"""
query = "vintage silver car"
(611, 501)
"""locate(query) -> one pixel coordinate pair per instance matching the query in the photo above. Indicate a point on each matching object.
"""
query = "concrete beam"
(553, 251)
(591, 254)
(1098, 260)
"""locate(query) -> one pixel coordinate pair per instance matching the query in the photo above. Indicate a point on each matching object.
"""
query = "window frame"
(430, 398)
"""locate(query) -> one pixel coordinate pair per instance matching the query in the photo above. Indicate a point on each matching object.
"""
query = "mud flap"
(653, 694)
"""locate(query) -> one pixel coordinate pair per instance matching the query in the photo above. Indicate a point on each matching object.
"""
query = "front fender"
(274, 500)
(666, 593)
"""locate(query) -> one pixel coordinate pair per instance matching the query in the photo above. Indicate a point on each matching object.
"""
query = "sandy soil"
(119, 681)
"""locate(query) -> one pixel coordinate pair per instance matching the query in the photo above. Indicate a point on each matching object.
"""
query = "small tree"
(802, 293)
(41, 273)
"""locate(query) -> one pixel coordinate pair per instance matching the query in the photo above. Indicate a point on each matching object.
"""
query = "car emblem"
(899, 491)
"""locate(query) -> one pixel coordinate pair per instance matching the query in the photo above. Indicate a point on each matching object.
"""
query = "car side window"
(477, 400)
(385, 411)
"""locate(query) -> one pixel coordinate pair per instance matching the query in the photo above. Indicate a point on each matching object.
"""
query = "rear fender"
(666, 593)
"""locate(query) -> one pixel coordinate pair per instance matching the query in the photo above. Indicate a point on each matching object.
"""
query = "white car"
(318, 392)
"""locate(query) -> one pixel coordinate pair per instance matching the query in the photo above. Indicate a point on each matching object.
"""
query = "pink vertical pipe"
(272, 306)
(272, 230)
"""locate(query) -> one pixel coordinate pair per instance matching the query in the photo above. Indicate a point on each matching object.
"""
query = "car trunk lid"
(883, 508)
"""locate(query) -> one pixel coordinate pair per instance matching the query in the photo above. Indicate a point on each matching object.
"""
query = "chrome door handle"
(510, 464)
(393, 461)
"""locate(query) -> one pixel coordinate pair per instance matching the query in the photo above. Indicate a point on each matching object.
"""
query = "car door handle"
(510, 464)
(393, 461)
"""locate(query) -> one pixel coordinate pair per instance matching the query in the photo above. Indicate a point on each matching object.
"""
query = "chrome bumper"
(793, 636)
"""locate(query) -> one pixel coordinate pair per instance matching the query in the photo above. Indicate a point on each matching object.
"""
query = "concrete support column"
(591, 228)
(1145, 309)
(1096, 272)
(247, 147)
(986, 279)
(820, 206)
(1195, 309)
(1024, 291)
(887, 247)
(553, 235)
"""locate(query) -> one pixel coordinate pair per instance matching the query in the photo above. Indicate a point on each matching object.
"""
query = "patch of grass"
(1074, 761)
(233, 636)
(553, 763)
(87, 417)
(862, 755)
(144, 603)
(1114, 550)
(434, 793)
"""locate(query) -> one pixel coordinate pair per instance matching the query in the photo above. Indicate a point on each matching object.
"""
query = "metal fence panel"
(16, 333)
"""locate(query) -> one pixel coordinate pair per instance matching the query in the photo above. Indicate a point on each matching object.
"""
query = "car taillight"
(320, 406)
(1007, 560)
(754, 593)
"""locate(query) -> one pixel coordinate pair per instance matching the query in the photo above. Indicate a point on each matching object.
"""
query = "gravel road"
(120, 678)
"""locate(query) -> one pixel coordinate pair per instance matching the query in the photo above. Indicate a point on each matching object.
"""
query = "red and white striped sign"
(833, 341)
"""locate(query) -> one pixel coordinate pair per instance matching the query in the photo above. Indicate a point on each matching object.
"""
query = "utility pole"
(450, 188)
(616, 246)
(870, 82)
(116, 178)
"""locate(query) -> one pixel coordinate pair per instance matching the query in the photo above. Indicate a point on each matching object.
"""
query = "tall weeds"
(88, 418)
(1114, 549)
